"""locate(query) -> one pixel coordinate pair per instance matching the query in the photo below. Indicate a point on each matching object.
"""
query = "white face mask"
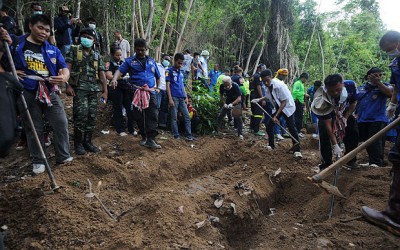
(93, 26)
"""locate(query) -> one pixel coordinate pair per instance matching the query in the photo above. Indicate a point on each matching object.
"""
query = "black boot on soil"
(389, 219)
(151, 143)
(88, 145)
(78, 140)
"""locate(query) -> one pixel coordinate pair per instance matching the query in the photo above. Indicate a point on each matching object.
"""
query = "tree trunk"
(106, 25)
(322, 56)
(20, 17)
(171, 30)
(183, 26)
(165, 20)
(78, 8)
(259, 56)
(140, 19)
(52, 13)
(253, 47)
(150, 20)
(279, 46)
(133, 3)
(178, 15)
(193, 28)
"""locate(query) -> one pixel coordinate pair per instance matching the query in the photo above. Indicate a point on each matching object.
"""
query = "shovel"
(319, 178)
(287, 132)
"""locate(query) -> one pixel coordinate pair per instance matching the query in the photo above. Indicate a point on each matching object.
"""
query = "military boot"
(78, 139)
(389, 219)
(87, 143)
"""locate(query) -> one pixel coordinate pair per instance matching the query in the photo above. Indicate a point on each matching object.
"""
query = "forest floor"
(166, 199)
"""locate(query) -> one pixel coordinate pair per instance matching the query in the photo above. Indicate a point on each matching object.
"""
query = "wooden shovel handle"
(329, 170)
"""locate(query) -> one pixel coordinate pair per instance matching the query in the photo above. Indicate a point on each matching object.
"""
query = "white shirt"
(281, 92)
(187, 62)
(163, 85)
(125, 47)
(203, 62)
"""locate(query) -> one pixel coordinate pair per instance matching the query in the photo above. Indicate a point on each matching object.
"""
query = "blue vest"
(52, 57)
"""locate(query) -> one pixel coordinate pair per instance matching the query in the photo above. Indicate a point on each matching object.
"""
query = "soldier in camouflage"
(88, 79)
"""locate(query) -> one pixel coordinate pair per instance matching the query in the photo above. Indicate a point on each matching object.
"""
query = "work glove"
(225, 106)
(390, 110)
(230, 105)
(337, 151)
(255, 100)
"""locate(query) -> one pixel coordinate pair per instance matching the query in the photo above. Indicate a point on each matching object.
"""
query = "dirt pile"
(167, 199)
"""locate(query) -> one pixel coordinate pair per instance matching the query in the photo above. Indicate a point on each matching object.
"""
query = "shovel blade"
(331, 189)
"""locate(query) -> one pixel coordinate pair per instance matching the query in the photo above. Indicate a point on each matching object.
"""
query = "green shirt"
(86, 69)
(298, 91)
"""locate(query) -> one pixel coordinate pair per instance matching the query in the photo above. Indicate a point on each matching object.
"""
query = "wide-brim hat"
(322, 104)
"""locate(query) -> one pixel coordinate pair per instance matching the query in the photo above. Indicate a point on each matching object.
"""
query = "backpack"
(78, 56)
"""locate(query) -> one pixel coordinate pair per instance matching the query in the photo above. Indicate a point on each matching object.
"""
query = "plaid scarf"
(43, 94)
(141, 97)
(339, 124)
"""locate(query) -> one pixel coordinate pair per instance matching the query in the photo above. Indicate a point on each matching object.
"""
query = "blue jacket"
(51, 54)
(63, 28)
(371, 104)
(140, 74)
(395, 76)
(214, 76)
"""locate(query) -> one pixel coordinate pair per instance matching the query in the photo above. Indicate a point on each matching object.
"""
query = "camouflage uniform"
(86, 90)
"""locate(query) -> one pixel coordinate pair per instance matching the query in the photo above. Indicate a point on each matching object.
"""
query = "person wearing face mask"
(87, 80)
(334, 104)
(64, 25)
(389, 218)
(370, 112)
(162, 97)
(36, 9)
(121, 95)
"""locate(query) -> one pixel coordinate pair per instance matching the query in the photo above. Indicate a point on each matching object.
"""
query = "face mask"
(394, 53)
(37, 12)
(93, 26)
(86, 42)
(165, 63)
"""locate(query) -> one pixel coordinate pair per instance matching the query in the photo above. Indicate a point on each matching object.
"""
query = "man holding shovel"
(334, 104)
(41, 69)
(389, 219)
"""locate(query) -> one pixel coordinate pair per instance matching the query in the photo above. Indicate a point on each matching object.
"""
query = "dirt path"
(157, 197)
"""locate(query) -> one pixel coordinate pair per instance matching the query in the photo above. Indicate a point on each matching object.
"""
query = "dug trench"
(214, 193)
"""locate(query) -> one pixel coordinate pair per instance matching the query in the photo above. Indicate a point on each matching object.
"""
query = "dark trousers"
(122, 98)
(256, 117)
(298, 115)
(375, 150)
(163, 106)
(147, 119)
(350, 141)
(291, 127)
(237, 120)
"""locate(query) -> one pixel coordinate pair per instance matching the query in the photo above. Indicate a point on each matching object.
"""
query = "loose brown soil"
(157, 197)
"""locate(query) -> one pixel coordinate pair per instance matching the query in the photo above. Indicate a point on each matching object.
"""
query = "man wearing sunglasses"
(371, 98)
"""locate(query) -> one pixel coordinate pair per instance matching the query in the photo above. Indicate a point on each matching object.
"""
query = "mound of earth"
(214, 193)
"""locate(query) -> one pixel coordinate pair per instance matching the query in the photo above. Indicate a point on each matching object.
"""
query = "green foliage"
(207, 106)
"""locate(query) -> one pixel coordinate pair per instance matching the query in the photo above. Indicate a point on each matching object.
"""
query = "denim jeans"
(162, 101)
(179, 104)
(57, 119)
(278, 130)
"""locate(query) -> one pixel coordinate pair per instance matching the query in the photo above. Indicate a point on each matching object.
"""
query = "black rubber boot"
(151, 143)
(78, 140)
(389, 219)
(88, 145)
